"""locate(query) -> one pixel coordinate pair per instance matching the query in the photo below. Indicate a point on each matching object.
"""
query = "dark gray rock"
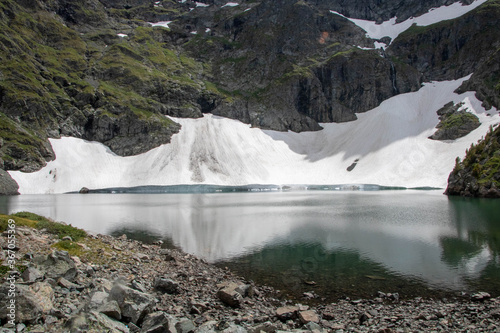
(126, 133)
(285, 313)
(230, 294)
(106, 323)
(134, 305)
(452, 49)
(56, 265)
(158, 322)
(167, 285)
(111, 309)
(31, 275)
(84, 190)
(8, 186)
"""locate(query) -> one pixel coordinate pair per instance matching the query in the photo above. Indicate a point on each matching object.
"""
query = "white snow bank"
(122, 35)
(231, 4)
(392, 29)
(201, 4)
(390, 141)
(161, 24)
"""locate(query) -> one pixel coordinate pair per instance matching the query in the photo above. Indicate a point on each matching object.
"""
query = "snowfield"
(390, 143)
(392, 29)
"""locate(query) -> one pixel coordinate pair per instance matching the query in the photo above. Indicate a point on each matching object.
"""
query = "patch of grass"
(19, 222)
(73, 248)
(4, 270)
(56, 228)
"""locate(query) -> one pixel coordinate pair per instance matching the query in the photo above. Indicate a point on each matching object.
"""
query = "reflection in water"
(345, 242)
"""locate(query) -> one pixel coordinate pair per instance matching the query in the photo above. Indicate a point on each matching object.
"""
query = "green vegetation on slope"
(56, 80)
(479, 173)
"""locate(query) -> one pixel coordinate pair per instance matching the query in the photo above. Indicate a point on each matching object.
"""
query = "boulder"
(134, 305)
(84, 190)
(8, 186)
(57, 264)
(158, 322)
(233, 328)
(98, 299)
(308, 317)
(166, 285)
(108, 323)
(111, 309)
(229, 294)
(31, 302)
(31, 275)
(285, 313)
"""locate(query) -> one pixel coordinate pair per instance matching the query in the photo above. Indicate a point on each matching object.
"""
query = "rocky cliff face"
(97, 70)
(478, 175)
(451, 49)
(379, 11)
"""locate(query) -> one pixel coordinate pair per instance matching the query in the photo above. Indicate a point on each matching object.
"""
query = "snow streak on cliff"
(392, 29)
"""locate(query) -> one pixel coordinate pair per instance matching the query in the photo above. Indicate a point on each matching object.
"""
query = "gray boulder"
(31, 302)
(31, 275)
(8, 186)
(134, 305)
(167, 286)
(158, 322)
(57, 264)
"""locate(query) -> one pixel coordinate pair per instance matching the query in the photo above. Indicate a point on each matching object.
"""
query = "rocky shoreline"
(107, 284)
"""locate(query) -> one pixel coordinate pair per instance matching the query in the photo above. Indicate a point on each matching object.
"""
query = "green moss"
(73, 248)
(483, 159)
(459, 119)
(52, 227)
(4, 270)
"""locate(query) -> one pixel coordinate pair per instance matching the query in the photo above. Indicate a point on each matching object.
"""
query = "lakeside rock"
(110, 286)
(8, 186)
(478, 174)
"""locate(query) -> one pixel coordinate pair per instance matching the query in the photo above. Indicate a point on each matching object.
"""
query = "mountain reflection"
(336, 239)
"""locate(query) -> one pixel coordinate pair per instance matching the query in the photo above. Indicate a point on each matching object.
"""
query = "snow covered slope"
(390, 143)
(392, 29)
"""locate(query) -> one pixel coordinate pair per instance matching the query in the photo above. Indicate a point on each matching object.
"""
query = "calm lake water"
(332, 243)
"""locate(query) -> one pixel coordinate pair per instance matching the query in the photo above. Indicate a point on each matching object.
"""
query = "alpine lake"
(322, 243)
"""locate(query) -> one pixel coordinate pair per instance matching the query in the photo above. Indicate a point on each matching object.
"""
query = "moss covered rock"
(455, 122)
(478, 175)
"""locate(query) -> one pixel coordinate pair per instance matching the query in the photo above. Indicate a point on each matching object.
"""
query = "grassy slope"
(51, 74)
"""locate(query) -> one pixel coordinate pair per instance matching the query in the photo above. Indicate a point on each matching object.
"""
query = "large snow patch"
(390, 143)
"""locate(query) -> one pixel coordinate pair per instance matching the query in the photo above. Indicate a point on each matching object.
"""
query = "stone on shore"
(287, 312)
(158, 322)
(57, 264)
(308, 317)
(230, 294)
(166, 285)
(134, 305)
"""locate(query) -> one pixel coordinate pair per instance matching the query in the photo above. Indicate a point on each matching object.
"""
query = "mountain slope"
(97, 70)
(389, 145)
